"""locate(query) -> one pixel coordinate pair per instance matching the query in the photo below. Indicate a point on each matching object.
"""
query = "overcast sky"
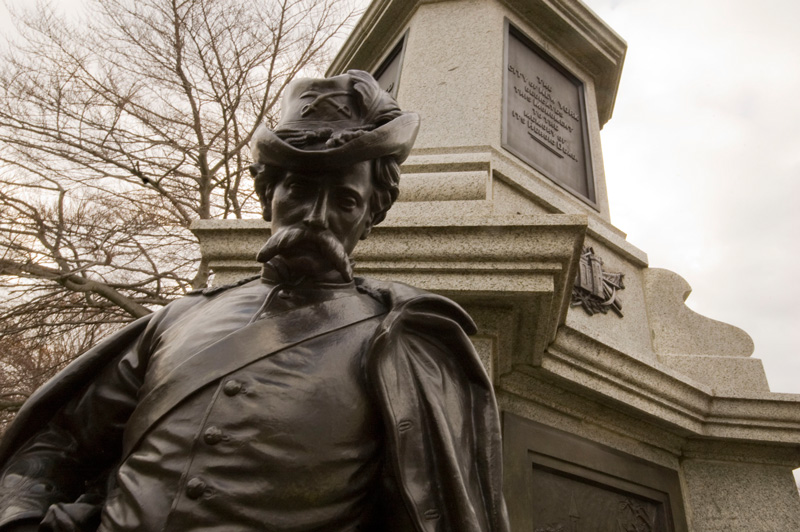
(702, 159)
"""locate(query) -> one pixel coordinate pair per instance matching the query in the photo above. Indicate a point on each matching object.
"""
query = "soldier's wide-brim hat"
(335, 122)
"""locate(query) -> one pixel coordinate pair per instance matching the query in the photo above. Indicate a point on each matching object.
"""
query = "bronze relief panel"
(560, 482)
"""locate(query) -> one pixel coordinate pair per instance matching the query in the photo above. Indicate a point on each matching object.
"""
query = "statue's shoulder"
(214, 290)
(191, 303)
(404, 300)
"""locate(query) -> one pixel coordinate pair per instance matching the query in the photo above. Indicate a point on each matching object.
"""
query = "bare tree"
(29, 360)
(117, 129)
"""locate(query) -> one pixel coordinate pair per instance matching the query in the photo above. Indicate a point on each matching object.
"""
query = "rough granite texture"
(740, 497)
(724, 374)
(444, 57)
(678, 330)
(444, 186)
(630, 333)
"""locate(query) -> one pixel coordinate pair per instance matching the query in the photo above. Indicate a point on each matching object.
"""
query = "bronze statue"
(301, 400)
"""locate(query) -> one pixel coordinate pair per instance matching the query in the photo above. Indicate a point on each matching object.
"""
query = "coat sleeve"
(442, 423)
(70, 431)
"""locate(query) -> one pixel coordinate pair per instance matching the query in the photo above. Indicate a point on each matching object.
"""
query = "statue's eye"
(348, 202)
(300, 187)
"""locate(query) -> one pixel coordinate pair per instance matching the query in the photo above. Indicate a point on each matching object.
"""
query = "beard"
(307, 252)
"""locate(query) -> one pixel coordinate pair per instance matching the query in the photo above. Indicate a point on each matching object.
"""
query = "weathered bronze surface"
(544, 116)
(304, 399)
(558, 482)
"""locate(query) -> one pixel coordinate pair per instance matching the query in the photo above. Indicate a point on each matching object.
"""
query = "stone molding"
(693, 408)
(494, 165)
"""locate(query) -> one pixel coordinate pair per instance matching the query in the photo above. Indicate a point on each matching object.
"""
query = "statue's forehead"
(307, 164)
(343, 173)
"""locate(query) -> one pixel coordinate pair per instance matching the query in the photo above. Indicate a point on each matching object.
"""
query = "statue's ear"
(255, 169)
(266, 203)
(264, 189)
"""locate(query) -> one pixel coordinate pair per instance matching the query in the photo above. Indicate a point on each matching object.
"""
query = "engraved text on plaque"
(544, 120)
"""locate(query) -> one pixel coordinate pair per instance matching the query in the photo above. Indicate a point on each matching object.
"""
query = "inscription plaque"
(544, 116)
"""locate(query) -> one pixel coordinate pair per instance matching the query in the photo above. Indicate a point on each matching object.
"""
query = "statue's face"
(335, 203)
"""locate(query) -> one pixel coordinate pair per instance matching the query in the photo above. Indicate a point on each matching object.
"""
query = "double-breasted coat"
(339, 408)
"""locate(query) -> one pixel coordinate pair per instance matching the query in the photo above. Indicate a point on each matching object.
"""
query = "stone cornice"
(661, 395)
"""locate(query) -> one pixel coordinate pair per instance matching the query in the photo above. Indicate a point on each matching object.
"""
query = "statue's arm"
(442, 424)
(68, 456)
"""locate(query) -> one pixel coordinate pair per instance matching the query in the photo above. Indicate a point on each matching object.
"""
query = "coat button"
(404, 425)
(232, 387)
(431, 514)
(213, 435)
(195, 488)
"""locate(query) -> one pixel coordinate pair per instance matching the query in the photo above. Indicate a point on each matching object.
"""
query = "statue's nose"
(317, 217)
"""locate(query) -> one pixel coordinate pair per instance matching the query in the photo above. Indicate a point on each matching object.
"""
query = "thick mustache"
(289, 238)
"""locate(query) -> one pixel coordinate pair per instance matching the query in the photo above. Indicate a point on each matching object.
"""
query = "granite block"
(678, 330)
(724, 374)
(735, 497)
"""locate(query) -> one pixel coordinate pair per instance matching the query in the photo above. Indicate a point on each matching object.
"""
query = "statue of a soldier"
(302, 400)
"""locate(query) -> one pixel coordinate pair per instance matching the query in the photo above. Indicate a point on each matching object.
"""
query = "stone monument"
(622, 409)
